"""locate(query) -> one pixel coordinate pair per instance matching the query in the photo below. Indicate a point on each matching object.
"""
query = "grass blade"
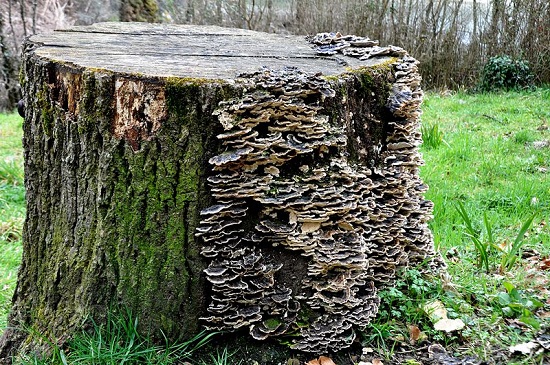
(480, 247)
(488, 229)
(518, 242)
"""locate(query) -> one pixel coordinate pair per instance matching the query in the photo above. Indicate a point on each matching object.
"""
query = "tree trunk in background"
(164, 183)
(9, 88)
(139, 11)
(494, 36)
(400, 22)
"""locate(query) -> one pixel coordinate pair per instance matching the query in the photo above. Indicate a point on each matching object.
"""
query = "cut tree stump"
(219, 178)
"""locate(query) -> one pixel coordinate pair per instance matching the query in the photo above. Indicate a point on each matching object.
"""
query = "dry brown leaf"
(414, 333)
(525, 348)
(323, 360)
(313, 362)
(377, 362)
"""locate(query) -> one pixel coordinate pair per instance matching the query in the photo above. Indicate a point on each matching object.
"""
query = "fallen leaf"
(449, 325)
(544, 341)
(515, 323)
(377, 362)
(540, 144)
(435, 310)
(398, 338)
(525, 348)
(530, 253)
(545, 264)
(323, 360)
(313, 362)
(436, 349)
(414, 333)
(452, 254)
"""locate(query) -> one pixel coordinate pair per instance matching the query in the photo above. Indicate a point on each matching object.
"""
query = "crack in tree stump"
(203, 176)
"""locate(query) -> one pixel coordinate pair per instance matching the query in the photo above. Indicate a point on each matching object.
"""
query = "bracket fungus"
(316, 201)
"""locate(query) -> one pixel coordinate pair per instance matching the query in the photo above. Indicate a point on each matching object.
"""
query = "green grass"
(12, 208)
(487, 180)
(489, 166)
(117, 342)
(481, 154)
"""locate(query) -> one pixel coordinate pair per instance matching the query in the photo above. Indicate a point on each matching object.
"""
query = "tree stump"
(203, 176)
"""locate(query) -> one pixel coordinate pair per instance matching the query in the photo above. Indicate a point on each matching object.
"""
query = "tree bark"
(139, 11)
(134, 191)
(9, 89)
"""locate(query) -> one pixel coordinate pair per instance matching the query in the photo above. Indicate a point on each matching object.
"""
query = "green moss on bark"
(109, 225)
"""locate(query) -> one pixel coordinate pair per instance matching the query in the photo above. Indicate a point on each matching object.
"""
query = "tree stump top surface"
(208, 52)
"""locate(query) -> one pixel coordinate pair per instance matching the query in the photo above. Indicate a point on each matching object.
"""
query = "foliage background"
(453, 39)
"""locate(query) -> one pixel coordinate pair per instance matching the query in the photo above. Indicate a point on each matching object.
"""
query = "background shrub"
(505, 73)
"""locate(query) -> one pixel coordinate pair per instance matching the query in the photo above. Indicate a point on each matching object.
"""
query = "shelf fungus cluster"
(300, 236)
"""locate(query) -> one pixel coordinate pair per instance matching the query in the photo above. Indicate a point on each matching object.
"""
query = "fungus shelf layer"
(325, 180)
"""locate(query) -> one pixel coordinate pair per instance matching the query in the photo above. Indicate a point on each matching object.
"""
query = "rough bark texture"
(9, 89)
(126, 145)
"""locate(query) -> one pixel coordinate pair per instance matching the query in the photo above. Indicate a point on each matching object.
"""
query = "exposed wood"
(184, 51)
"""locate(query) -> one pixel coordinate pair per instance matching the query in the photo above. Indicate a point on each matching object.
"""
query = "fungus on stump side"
(342, 226)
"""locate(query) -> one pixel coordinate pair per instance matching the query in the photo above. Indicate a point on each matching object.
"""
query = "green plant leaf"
(516, 307)
(530, 321)
(507, 312)
(481, 248)
(533, 304)
(488, 229)
(515, 295)
(503, 299)
(508, 286)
